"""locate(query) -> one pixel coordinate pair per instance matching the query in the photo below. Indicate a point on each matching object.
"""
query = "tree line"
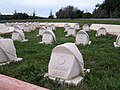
(72, 12)
(19, 16)
(108, 9)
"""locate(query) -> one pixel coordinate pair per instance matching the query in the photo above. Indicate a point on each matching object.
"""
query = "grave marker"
(65, 25)
(27, 28)
(66, 64)
(82, 38)
(86, 27)
(18, 35)
(53, 26)
(101, 31)
(77, 26)
(66, 28)
(41, 31)
(117, 43)
(71, 32)
(49, 27)
(46, 24)
(48, 37)
(7, 51)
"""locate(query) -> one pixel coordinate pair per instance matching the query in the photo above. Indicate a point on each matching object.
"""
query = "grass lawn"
(101, 57)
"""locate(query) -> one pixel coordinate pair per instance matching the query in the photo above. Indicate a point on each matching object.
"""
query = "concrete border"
(8, 83)
(111, 29)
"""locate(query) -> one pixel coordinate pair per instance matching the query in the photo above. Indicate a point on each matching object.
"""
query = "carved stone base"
(18, 59)
(75, 80)
(38, 35)
(25, 40)
(89, 42)
(115, 45)
(43, 43)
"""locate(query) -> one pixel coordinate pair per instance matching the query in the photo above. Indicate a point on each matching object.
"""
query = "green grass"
(101, 57)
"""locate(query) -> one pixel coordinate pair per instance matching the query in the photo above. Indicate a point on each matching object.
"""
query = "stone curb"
(8, 83)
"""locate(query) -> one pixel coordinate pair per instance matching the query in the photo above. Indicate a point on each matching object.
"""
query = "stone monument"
(18, 35)
(7, 51)
(71, 32)
(101, 31)
(86, 27)
(82, 38)
(117, 43)
(66, 64)
(48, 37)
(41, 31)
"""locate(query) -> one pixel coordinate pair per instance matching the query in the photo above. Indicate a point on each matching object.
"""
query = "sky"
(43, 7)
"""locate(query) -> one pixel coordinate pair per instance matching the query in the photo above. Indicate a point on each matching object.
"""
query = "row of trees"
(72, 12)
(18, 16)
(108, 9)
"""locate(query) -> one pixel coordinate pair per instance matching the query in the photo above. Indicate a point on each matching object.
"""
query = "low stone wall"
(8, 83)
(111, 29)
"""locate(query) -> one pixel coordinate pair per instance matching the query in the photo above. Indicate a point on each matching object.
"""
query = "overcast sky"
(43, 7)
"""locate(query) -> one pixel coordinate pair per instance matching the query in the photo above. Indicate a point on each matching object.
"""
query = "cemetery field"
(101, 57)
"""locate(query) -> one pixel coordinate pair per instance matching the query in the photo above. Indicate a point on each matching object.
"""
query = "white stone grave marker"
(77, 26)
(27, 28)
(66, 63)
(41, 31)
(101, 31)
(7, 51)
(48, 37)
(66, 28)
(53, 27)
(49, 27)
(66, 25)
(31, 27)
(86, 27)
(82, 38)
(117, 43)
(8, 24)
(5, 29)
(17, 27)
(46, 24)
(18, 35)
(71, 32)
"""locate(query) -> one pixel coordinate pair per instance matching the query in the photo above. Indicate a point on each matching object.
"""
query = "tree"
(79, 14)
(34, 14)
(87, 15)
(51, 16)
(108, 9)
(69, 12)
(1, 17)
(18, 16)
(97, 5)
(111, 5)
(60, 14)
(116, 13)
(103, 14)
(15, 15)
